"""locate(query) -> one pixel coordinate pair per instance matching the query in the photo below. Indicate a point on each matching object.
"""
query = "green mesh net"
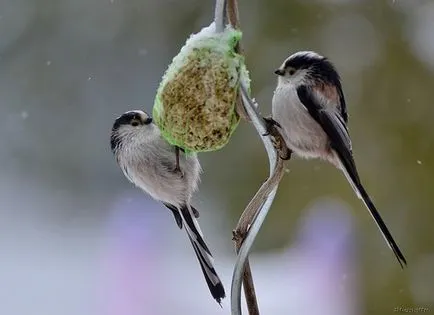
(195, 103)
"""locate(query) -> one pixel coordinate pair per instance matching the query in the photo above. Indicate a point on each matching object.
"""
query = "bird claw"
(270, 125)
(286, 153)
(276, 138)
(177, 169)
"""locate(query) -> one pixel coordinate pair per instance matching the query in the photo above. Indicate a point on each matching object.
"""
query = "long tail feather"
(358, 188)
(203, 253)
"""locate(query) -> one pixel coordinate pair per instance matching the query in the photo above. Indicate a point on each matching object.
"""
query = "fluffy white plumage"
(149, 162)
(309, 106)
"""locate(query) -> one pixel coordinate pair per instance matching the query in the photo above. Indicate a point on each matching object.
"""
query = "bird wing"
(335, 127)
(342, 104)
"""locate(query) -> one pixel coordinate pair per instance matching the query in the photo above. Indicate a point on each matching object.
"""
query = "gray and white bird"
(309, 109)
(148, 161)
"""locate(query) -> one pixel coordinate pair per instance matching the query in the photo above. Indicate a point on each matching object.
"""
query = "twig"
(254, 215)
(250, 213)
(256, 211)
(232, 13)
(233, 17)
(234, 20)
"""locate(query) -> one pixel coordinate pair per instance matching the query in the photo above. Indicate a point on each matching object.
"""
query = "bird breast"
(152, 168)
(302, 133)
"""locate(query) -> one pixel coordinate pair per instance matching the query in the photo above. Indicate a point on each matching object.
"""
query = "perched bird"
(147, 160)
(309, 110)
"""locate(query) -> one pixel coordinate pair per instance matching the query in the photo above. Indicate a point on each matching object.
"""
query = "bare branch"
(249, 288)
(234, 20)
(254, 215)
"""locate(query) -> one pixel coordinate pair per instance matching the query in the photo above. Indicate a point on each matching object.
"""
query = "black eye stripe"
(136, 117)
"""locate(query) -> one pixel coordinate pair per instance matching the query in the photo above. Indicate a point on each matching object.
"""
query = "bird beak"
(145, 118)
(279, 72)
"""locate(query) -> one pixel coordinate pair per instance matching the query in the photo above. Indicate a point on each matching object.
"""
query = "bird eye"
(135, 123)
(291, 72)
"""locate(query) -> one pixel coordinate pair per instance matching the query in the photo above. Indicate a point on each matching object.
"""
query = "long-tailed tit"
(147, 160)
(309, 109)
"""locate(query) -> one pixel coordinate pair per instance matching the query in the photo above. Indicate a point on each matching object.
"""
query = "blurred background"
(77, 238)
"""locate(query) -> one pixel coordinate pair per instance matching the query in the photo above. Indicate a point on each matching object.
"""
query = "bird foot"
(270, 125)
(277, 138)
(177, 169)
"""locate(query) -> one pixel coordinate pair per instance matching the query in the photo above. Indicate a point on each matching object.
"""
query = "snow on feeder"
(196, 100)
